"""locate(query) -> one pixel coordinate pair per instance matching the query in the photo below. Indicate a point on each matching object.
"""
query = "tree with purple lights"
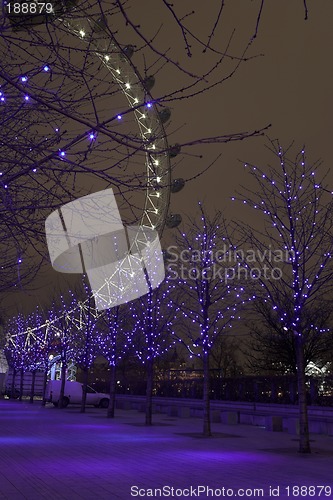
(16, 350)
(293, 244)
(46, 343)
(208, 299)
(63, 331)
(152, 333)
(113, 345)
(85, 342)
(23, 349)
(34, 348)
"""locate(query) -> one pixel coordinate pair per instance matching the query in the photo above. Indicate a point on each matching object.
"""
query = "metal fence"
(261, 389)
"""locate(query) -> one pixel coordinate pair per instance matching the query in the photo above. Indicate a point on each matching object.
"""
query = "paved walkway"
(46, 453)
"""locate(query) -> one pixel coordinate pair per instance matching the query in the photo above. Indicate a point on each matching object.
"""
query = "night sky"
(289, 86)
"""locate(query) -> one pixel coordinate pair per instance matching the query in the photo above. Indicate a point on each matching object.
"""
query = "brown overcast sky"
(290, 86)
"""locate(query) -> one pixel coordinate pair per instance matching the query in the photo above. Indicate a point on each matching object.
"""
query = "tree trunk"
(304, 438)
(149, 391)
(206, 396)
(84, 390)
(32, 389)
(112, 401)
(62, 387)
(44, 386)
(21, 384)
(12, 390)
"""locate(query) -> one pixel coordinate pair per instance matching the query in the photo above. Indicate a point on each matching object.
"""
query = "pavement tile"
(46, 453)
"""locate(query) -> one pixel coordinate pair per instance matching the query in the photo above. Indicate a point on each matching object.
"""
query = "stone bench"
(142, 407)
(330, 428)
(229, 417)
(246, 418)
(318, 427)
(179, 411)
(274, 423)
(292, 425)
(123, 404)
(215, 416)
(161, 408)
(196, 412)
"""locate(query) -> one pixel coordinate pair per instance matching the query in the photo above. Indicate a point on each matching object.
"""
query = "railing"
(258, 389)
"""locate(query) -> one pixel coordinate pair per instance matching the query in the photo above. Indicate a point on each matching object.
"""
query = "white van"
(73, 394)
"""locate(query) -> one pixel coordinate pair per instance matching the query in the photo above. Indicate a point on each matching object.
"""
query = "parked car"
(73, 394)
